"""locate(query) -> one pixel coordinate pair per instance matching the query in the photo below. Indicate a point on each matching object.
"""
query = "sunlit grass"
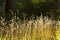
(58, 34)
(39, 29)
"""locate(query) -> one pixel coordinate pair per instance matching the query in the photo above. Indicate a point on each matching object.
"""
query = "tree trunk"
(8, 5)
(8, 10)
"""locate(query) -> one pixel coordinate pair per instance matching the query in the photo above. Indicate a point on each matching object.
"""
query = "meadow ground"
(39, 29)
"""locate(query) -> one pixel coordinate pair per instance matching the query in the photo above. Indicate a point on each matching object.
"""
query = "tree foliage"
(28, 8)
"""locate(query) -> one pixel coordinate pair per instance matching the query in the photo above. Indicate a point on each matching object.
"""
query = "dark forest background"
(29, 8)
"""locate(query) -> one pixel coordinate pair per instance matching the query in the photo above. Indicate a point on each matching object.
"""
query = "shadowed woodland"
(30, 8)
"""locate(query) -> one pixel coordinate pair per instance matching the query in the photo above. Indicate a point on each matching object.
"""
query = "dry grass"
(39, 29)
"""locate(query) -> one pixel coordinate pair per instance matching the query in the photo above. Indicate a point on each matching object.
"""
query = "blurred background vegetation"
(47, 10)
(30, 8)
